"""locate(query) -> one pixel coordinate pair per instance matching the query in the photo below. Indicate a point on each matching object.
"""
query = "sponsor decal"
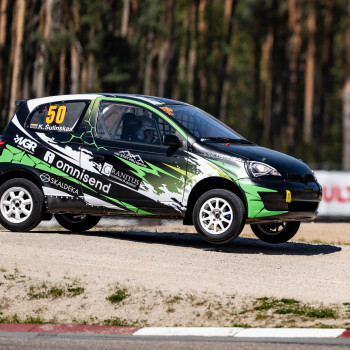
(49, 157)
(121, 176)
(80, 175)
(58, 183)
(223, 156)
(25, 144)
(167, 110)
(134, 158)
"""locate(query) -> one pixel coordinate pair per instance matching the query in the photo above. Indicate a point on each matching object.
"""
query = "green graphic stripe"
(144, 105)
(129, 206)
(16, 156)
(142, 172)
(256, 206)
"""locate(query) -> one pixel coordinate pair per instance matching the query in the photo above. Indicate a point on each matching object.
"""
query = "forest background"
(277, 71)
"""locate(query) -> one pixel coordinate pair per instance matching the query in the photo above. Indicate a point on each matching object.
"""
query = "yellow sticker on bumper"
(288, 196)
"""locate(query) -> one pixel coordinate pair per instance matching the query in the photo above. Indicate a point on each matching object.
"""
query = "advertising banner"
(336, 193)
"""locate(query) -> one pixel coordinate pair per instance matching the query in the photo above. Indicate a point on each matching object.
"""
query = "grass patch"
(29, 319)
(45, 291)
(118, 296)
(293, 307)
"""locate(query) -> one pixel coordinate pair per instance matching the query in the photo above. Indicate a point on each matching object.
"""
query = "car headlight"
(257, 169)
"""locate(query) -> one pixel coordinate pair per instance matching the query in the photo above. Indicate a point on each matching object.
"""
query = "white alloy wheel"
(216, 215)
(16, 204)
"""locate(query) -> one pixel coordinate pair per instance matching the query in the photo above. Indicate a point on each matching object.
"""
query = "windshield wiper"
(226, 139)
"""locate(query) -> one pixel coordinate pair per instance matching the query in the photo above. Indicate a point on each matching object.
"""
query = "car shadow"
(240, 245)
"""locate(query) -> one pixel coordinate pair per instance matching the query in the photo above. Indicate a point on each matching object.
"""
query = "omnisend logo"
(82, 176)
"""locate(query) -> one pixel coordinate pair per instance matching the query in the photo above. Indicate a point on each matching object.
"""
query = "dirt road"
(170, 278)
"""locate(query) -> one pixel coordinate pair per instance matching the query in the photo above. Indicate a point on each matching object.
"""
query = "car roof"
(153, 100)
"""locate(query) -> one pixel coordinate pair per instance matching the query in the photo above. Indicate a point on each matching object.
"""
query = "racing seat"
(130, 126)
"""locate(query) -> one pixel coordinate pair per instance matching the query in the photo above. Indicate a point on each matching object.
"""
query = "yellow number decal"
(61, 113)
(51, 114)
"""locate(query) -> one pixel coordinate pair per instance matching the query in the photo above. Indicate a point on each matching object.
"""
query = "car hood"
(285, 164)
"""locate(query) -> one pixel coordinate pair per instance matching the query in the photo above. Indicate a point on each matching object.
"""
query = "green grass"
(118, 296)
(44, 291)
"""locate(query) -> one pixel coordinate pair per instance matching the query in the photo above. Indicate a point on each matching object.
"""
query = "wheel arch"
(22, 174)
(208, 184)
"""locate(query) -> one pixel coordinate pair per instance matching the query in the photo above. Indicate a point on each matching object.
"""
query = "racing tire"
(219, 216)
(21, 205)
(276, 233)
(77, 222)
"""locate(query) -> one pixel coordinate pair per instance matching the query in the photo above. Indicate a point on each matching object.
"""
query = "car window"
(59, 117)
(129, 123)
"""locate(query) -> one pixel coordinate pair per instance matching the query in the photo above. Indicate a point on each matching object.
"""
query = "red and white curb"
(235, 332)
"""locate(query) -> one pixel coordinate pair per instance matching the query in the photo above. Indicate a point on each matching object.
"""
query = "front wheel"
(77, 222)
(219, 216)
(21, 205)
(276, 233)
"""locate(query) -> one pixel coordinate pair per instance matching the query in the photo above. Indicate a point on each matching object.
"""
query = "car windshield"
(202, 125)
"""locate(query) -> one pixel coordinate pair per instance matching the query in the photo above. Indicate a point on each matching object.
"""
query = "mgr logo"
(25, 143)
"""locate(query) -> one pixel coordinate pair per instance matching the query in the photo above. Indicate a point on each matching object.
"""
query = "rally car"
(81, 157)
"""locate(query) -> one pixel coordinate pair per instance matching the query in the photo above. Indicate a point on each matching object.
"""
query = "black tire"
(21, 205)
(77, 222)
(276, 233)
(219, 211)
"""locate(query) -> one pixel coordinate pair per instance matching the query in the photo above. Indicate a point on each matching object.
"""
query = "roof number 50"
(58, 117)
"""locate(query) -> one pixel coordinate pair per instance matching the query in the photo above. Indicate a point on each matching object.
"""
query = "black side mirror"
(171, 140)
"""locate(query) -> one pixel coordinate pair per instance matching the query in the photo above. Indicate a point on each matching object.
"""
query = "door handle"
(98, 157)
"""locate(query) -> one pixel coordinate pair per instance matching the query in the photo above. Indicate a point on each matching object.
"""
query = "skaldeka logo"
(45, 177)
(25, 143)
(68, 188)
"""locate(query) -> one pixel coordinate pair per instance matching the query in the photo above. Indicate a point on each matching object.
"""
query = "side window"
(59, 117)
(129, 123)
(166, 129)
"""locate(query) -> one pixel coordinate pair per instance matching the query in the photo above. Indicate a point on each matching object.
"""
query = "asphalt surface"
(105, 342)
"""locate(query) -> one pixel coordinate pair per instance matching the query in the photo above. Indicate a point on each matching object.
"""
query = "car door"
(133, 170)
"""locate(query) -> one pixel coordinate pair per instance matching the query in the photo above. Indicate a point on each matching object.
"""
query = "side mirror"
(171, 140)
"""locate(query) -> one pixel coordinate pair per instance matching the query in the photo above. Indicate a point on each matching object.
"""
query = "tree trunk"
(46, 25)
(125, 18)
(227, 63)
(267, 58)
(310, 73)
(17, 64)
(325, 85)
(62, 71)
(295, 28)
(346, 97)
(166, 50)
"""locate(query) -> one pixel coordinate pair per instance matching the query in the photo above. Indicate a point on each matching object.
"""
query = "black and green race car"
(84, 156)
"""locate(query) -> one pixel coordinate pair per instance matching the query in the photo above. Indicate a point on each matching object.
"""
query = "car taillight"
(2, 146)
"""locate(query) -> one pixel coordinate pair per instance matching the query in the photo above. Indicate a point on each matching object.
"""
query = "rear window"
(57, 117)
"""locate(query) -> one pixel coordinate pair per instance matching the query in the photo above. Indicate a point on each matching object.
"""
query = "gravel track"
(172, 263)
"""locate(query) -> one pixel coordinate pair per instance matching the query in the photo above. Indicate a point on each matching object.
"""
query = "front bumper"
(284, 201)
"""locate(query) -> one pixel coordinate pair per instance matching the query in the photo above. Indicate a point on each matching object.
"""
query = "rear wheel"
(21, 205)
(219, 216)
(276, 233)
(77, 222)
